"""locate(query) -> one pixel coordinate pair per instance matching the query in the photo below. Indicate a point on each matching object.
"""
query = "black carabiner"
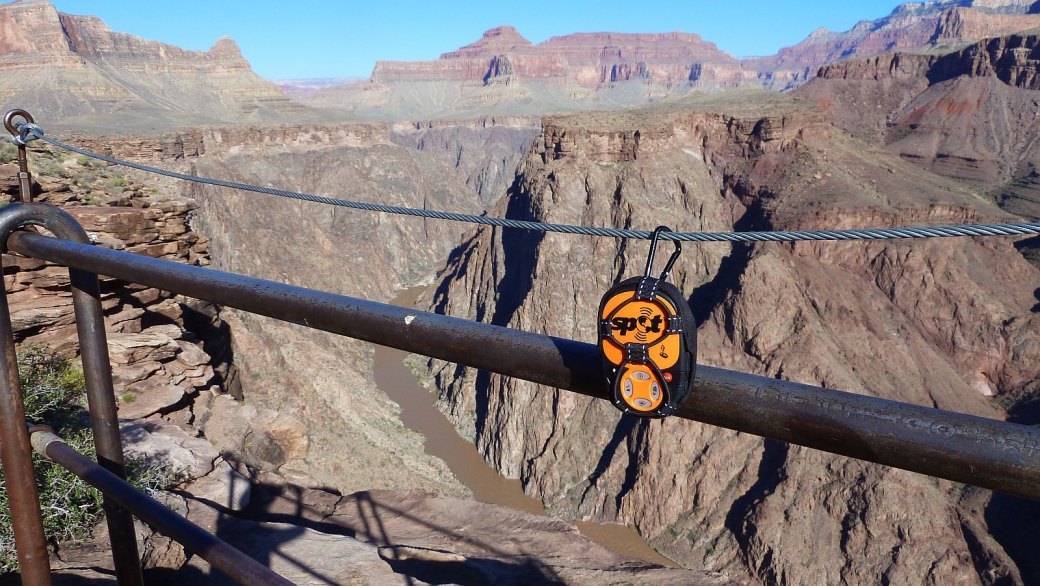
(654, 238)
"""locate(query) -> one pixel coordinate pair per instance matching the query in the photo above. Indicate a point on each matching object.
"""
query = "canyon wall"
(682, 60)
(484, 152)
(358, 442)
(504, 74)
(937, 323)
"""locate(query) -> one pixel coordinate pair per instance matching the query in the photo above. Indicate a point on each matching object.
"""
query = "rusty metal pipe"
(220, 555)
(15, 128)
(988, 453)
(97, 372)
(16, 456)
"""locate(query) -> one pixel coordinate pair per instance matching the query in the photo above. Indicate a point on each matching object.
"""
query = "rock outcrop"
(159, 344)
(377, 538)
(170, 360)
(157, 366)
(75, 69)
(935, 323)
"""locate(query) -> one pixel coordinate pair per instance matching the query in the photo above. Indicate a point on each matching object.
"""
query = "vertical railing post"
(101, 401)
(97, 370)
(16, 455)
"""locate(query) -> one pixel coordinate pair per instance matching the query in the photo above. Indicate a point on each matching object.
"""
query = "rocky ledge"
(379, 538)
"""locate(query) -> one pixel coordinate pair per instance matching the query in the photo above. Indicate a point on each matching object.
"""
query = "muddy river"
(442, 441)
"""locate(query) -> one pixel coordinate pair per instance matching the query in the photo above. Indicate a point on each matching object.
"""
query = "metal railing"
(987, 453)
(195, 539)
(108, 474)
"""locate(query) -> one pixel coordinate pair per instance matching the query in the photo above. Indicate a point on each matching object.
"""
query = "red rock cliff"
(590, 59)
(84, 68)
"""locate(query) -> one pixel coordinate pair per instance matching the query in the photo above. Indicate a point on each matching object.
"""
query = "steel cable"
(32, 131)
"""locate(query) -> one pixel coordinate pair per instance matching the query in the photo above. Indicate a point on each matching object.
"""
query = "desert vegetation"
(54, 394)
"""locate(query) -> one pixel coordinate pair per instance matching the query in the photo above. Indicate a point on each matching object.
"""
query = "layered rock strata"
(503, 73)
(192, 143)
(158, 367)
(588, 59)
(62, 66)
(969, 114)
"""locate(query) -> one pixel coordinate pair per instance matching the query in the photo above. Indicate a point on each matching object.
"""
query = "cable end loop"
(27, 132)
(24, 131)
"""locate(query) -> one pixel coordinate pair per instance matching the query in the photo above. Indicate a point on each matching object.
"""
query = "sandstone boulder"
(186, 457)
(260, 436)
(143, 398)
(129, 225)
(223, 488)
(152, 344)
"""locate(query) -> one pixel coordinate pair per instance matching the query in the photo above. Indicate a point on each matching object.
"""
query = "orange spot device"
(648, 341)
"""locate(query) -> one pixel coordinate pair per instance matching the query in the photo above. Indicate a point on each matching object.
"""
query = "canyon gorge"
(925, 117)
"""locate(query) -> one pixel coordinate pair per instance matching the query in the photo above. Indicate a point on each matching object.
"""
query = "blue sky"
(326, 38)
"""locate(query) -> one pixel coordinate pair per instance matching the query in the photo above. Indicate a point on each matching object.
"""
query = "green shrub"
(53, 169)
(150, 477)
(115, 185)
(94, 198)
(53, 389)
(84, 179)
